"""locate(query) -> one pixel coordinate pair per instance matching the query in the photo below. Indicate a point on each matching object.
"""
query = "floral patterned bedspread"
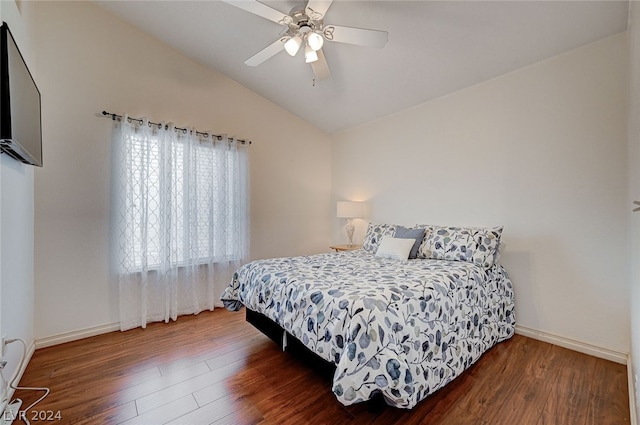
(403, 328)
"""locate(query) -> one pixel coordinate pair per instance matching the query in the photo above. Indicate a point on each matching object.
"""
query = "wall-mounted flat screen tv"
(20, 121)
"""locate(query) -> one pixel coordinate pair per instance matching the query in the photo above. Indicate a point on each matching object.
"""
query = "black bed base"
(293, 346)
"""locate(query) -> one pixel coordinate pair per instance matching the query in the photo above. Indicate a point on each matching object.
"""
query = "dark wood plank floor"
(215, 368)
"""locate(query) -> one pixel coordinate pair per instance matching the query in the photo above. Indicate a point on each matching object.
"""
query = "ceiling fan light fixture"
(310, 55)
(293, 45)
(315, 41)
(305, 25)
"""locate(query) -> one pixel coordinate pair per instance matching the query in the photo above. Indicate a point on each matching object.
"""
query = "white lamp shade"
(315, 41)
(292, 45)
(310, 55)
(349, 209)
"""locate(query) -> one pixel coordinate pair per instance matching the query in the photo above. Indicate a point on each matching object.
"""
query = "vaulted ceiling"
(434, 48)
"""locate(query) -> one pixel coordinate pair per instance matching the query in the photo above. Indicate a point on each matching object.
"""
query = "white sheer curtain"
(180, 222)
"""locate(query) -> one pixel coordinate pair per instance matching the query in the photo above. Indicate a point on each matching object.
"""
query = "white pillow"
(395, 248)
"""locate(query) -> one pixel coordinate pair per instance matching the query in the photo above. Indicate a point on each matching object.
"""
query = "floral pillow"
(474, 245)
(427, 228)
(375, 233)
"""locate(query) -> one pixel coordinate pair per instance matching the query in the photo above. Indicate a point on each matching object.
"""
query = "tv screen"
(20, 122)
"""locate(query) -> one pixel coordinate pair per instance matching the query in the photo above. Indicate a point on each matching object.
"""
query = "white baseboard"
(633, 414)
(76, 335)
(572, 344)
(591, 350)
(561, 341)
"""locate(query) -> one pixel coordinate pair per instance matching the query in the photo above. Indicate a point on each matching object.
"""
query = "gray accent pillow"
(405, 233)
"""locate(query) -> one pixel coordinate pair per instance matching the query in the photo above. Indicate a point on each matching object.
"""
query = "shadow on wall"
(518, 266)
(548, 286)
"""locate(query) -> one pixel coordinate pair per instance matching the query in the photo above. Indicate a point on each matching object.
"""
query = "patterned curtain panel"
(180, 223)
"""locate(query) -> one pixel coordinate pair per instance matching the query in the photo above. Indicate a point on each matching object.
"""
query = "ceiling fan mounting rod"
(300, 20)
(304, 29)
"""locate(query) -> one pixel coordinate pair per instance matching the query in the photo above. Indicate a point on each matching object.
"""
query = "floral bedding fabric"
(374, 235)
(402, 328)
(475, 245)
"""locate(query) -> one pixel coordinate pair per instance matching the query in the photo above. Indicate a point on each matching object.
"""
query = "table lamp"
(349, 210)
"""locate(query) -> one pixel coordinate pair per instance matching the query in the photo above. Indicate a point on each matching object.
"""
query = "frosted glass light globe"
(315, 41)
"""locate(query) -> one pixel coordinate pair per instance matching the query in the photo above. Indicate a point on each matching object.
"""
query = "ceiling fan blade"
(358, 36)
(260, 9)
(316, 9)
(264, 54)
(320, 67)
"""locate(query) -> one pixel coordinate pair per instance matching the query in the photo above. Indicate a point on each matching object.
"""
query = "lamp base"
(350, 229)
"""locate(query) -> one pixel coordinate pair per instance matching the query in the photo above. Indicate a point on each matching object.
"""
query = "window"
(185, 200)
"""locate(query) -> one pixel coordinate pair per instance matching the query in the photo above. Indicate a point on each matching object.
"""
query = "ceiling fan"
(304, 26)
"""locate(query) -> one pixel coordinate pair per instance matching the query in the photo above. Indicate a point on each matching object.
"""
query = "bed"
(402, 328)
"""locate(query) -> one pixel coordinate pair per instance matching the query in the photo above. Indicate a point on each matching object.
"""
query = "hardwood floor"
(215, 368)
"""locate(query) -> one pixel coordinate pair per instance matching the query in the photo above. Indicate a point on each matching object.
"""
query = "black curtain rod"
(184, 130)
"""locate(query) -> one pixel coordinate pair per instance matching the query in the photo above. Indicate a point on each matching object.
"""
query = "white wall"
(634, 190)
(16, 220)
(90, 61)
(541, 151)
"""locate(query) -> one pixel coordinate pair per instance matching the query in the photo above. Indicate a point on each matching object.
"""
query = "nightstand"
(339, 248)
